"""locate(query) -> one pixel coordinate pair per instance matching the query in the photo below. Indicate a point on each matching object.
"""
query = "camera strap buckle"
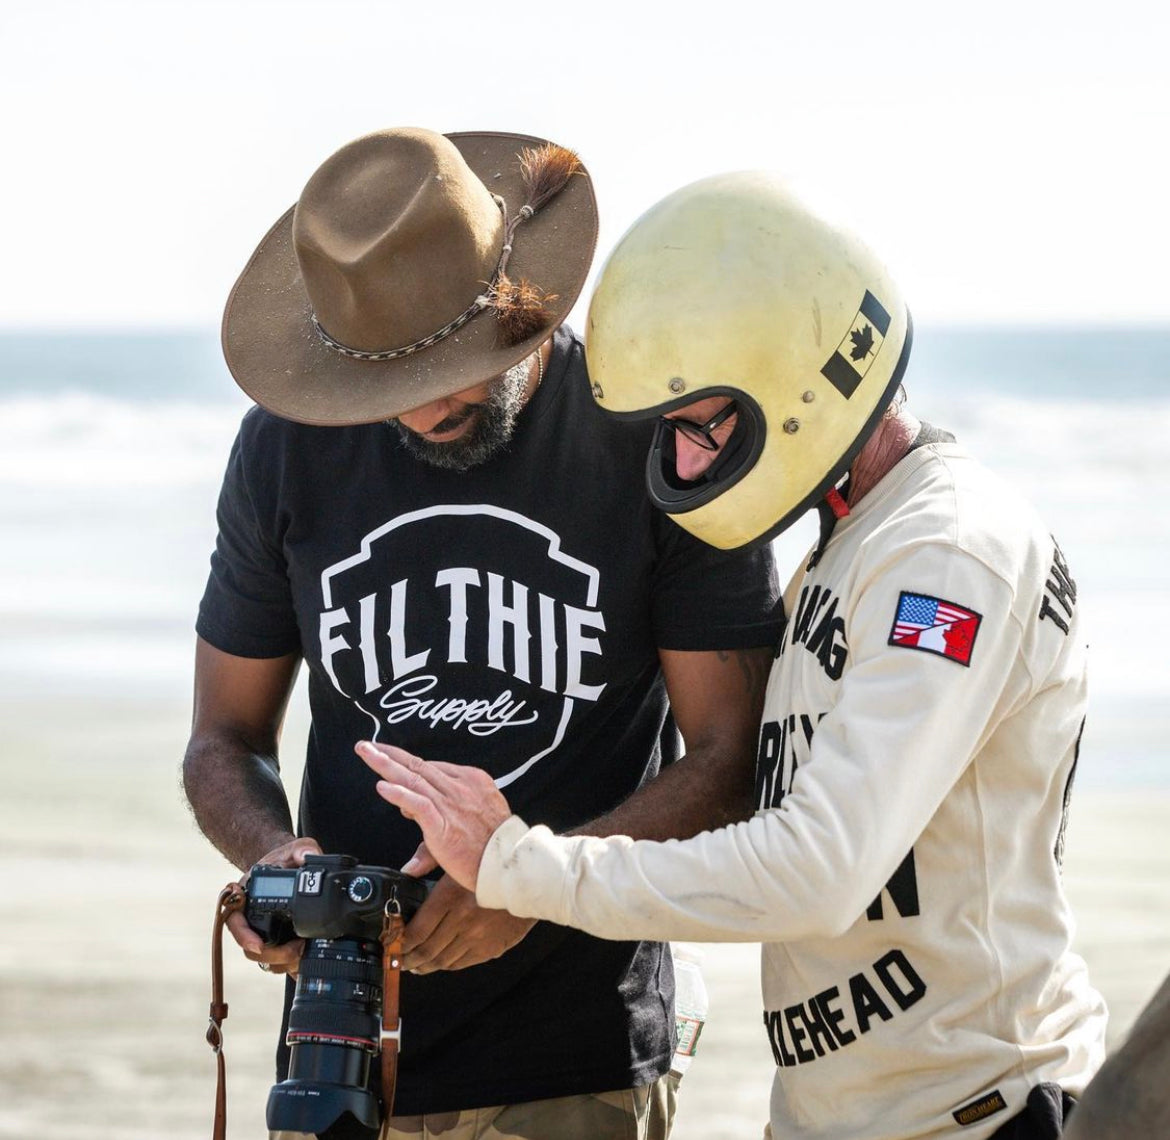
(391, 1037)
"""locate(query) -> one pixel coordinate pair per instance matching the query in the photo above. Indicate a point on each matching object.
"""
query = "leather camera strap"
(391, 939)
(231, 899)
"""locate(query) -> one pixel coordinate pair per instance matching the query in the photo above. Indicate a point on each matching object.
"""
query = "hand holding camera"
(282, 958)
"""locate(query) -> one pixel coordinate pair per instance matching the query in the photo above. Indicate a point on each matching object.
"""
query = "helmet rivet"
(808, 397)
(792, 426)
(677, 385)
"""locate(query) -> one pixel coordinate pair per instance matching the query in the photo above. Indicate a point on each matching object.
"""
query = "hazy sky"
(1008, 159)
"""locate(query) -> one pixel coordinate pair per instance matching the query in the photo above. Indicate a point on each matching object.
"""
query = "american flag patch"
(936, 626)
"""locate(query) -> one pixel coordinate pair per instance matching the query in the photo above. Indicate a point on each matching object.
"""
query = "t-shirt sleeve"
(703, 598)
(247, 605)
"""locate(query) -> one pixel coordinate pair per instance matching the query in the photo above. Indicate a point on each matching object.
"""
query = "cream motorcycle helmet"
(730, 286)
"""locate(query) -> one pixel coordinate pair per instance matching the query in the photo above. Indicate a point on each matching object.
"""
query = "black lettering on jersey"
(902, 889)
(784, 746)
(817, 626)
(866, 1002)
(806, 609)
(828, 1021)
(828, 642)
(794, 1019)
(833, 1017)
(907, 987)
(773, 1023)
(820, 1033)
(1060, 592)
(768, 764)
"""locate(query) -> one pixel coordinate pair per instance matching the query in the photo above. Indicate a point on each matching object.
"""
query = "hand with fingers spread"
(458, 808)
(285, 958)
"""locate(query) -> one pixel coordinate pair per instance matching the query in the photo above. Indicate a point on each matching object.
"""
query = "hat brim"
(277, 358)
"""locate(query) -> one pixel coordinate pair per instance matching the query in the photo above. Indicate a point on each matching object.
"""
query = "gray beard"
(494, 422)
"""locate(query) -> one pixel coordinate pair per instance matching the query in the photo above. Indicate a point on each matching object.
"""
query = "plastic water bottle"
(690, 1003)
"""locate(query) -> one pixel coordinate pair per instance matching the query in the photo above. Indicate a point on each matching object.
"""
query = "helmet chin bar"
(740, 456)
(734, 460)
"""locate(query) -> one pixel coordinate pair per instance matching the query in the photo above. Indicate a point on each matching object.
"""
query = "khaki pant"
(644, 1113)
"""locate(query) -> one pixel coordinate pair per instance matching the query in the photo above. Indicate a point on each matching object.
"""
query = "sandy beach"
(111, 892)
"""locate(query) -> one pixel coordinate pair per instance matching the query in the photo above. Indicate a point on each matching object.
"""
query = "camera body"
(334, 1025)
(331, 896)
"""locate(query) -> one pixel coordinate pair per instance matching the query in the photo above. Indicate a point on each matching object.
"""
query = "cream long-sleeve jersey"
(921, 731)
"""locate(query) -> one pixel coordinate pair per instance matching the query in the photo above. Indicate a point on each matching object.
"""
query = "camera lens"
(334, 1029)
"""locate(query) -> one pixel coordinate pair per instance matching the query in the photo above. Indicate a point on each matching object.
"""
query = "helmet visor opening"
(734, 460)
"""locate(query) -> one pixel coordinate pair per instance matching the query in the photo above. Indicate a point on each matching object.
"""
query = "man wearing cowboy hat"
(923, 716)
(428, 509)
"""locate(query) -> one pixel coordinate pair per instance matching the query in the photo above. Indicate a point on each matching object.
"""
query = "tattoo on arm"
(754, 668)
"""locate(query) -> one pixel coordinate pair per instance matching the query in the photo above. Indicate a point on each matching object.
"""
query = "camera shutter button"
(360, 889)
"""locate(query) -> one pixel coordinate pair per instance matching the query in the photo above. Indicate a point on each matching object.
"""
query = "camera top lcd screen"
(272, 886)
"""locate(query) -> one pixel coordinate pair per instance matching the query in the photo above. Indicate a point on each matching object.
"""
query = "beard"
(493, 424)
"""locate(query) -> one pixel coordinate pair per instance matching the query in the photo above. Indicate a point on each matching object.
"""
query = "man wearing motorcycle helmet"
(923, 715)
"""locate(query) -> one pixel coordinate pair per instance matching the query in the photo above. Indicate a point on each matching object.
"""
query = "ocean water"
(112, 447)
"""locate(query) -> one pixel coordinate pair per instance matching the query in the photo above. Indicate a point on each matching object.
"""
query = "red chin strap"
(836, 503)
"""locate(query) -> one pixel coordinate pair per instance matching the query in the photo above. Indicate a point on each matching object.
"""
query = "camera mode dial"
(360, 889)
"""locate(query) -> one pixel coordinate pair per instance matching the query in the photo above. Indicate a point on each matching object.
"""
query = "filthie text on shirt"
(491, 620)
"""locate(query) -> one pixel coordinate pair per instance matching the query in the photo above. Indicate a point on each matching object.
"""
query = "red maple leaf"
(958, 640)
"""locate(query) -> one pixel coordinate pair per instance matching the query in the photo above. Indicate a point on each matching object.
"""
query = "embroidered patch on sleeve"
(936, 626)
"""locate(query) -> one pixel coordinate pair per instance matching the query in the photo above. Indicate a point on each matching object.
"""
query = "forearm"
(237, 797)
(707, 789)
(717, 698)
(622, 889)
(781, 876)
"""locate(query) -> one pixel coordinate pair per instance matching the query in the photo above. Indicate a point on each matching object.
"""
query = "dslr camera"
(334, 1027)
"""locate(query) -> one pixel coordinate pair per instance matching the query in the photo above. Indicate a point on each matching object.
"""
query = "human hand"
(458, 808)
(285, 958)
(451, 931)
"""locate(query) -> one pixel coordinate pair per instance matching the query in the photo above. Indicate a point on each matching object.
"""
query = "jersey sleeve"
(704, 599)
(907, 722)
(247, 607)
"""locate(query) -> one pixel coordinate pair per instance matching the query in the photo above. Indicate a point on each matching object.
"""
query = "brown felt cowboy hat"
(414, 265)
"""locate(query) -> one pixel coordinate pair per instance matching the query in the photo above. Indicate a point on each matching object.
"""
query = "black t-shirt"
(507, 617)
